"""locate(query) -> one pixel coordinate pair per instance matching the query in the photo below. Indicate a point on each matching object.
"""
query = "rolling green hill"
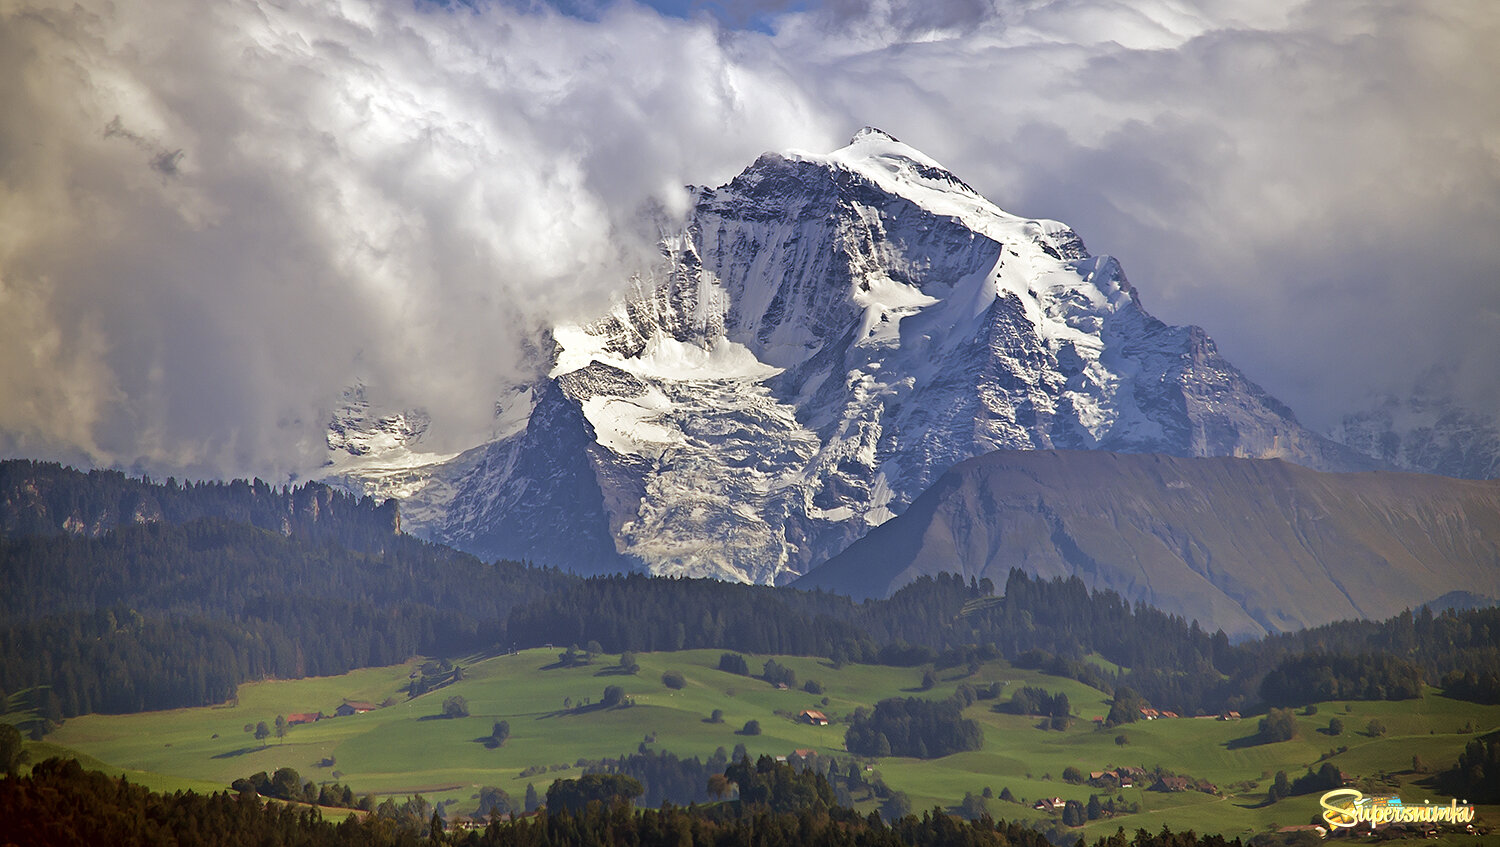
(405, 748)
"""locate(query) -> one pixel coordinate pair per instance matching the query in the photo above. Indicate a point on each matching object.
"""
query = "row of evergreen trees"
(61, 803)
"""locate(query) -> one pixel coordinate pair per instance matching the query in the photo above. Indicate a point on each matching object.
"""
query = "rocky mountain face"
(1426, 432)
(377, 454)
(1244, 545)
(828, 335)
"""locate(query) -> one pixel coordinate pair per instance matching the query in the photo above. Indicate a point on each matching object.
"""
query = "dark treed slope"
(122, 594)
(1245, 545)
(157, 615)
(43, 498)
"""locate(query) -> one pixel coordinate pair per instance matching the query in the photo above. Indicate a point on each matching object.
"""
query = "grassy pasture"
(407, 748)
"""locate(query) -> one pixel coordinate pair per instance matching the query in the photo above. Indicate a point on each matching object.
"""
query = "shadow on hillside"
(240, 752)
(557, 666)
(576, 710)
(614, 670)
(489, 653)
(1247, 741)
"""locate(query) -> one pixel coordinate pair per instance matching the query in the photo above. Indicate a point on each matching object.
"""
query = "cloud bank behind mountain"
(214, 217)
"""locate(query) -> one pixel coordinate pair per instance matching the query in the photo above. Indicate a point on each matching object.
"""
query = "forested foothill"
(126, 595)
(106, 614)
(776, 807)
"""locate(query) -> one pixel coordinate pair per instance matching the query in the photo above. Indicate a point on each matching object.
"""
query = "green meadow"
(407, 747)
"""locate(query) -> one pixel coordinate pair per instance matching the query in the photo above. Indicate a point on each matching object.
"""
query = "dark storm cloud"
(298, 195)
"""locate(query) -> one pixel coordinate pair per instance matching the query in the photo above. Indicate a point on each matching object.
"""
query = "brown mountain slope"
(1248, 545)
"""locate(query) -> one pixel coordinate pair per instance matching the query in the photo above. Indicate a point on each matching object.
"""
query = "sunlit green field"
(407, 747)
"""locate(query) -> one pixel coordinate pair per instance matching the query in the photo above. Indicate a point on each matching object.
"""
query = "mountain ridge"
(1251, 546)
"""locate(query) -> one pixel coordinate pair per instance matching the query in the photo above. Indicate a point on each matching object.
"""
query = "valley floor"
(406, 747)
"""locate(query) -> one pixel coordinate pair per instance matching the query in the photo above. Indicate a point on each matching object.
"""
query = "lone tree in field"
(1278, 725)
(456, 707)
(500, 733)
(262, 732)
(281, 726)
(613, 695)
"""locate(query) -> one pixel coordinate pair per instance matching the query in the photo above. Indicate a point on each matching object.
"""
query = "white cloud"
(215, 216)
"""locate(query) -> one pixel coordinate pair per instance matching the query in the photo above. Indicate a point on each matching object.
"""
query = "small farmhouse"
(813, 717)
(1171, 784)
(801, 755)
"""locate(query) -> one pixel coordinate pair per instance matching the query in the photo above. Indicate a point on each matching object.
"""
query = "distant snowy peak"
(1427, 432)
(827, 335)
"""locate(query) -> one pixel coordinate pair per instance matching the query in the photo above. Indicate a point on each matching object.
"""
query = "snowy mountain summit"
(827, 336)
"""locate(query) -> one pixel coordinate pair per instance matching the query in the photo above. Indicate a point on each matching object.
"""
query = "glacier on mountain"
(828, 335)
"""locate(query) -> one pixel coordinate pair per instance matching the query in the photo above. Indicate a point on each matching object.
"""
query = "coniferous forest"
(124, 595)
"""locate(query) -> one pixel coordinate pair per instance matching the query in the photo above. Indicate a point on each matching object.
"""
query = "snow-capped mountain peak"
(900, 169)
(829, 334)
